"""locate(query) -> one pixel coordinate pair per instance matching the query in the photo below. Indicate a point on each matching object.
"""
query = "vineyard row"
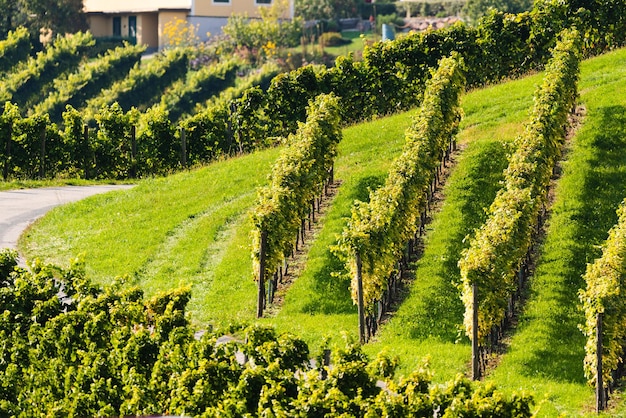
(491, 268)
(605, 311)
(379, 230)
(297, 179)
(391, 77)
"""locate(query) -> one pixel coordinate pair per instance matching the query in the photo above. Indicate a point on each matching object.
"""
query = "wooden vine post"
(361, 307)
(601, 400)
(261, 281)
(42, 160)
(183, 147)
(133, 151)
(86, 151)
(7, 154)
(475, 347)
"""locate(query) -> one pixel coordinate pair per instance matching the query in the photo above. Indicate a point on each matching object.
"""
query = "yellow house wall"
(148, 29)
(212, 9)
(100, 25)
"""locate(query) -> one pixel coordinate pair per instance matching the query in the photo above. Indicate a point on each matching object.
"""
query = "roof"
(134, 6)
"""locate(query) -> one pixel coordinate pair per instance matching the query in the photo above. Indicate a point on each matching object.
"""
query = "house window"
(221, 1)
(117, 26)
(263, 1)
(132, 26)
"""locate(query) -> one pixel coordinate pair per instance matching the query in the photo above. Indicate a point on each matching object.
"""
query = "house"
(141, 20)
(144, 20)
(211, 15)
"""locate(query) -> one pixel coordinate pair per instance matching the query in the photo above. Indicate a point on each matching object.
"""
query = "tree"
(12, 16)
(59, 16)
(326, 9)
(42, 16)
(475, 9)
(314, 9)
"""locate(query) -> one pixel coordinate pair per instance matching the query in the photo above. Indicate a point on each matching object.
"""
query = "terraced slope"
(192, 229)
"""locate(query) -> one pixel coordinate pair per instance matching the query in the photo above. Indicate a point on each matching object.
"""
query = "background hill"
(193, 229)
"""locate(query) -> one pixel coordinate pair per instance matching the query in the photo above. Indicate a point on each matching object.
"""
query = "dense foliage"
(14, 49)
(43, 16)
(28, 82)
(271, 28)
(499, 246)
(604, 294)
(379, 230)
(475, 9)
(198, 87)
(297, 178)
(391, 77)
(145, 82)
(69, 349)
(89, 80)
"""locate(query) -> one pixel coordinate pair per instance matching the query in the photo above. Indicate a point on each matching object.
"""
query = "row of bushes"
(297, 178)
(123, 144)
(501, 244)
(27, 83)
(89, 80)
(604, 295)
(390, 78)
(182, 96)
(145, 82)
(14, 49)
(71, 349)
(379, 229)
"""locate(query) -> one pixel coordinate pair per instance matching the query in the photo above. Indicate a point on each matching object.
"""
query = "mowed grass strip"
(318, 304)
(429, 322)
(32, 184)
(163, 233)
(193, 228)
(547, 350)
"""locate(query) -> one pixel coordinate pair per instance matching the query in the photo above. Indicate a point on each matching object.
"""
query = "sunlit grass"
(30, 184)
(546, 353)
(193, 229)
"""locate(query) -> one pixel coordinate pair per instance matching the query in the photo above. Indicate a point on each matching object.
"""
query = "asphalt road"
(20, 208)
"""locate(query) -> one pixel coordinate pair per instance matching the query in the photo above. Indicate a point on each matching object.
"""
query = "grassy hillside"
(192, 229)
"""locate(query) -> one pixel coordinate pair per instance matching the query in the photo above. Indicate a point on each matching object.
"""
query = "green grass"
(355, 46)
(31, 184)
(193, 229)
(546, 352)
(429, 321)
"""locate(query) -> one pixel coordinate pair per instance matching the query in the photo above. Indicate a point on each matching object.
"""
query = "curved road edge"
(21, 207)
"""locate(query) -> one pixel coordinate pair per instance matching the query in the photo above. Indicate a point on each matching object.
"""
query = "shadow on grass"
(366, 185)
(434, 308)
(331, 293)
(591, 207)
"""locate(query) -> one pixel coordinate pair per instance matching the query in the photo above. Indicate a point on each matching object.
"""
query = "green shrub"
(332, 39)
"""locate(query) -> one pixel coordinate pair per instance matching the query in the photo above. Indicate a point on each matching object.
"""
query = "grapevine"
(604, 294)
(379, 229)
(498, 248)
(31, 78)
(14, 49)
(90, 78)
(296, 179)
(70, 348)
